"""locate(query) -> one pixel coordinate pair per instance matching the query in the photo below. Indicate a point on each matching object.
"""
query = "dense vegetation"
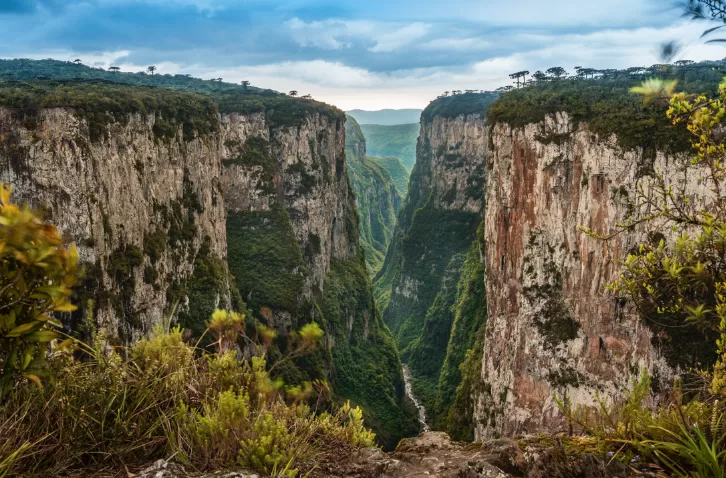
(377, 197)
(101, 103)
(74, 406)
(397, 170)
(392, 140)
(608, 107)
(281, 109)
(461, 104)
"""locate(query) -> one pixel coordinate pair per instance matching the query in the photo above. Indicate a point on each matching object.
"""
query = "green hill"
(396, 140)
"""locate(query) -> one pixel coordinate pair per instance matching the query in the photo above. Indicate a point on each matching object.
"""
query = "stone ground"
(434, 455)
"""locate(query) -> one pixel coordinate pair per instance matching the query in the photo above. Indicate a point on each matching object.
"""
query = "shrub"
(36, 276)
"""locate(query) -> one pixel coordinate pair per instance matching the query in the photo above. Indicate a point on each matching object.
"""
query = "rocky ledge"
(435, 455)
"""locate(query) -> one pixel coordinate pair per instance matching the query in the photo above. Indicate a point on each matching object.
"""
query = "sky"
(367, 54)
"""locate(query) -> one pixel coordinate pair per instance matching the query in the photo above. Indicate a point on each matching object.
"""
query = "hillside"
(392, 140)
(397, 170)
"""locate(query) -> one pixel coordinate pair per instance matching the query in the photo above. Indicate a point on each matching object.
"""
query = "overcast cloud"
(370, 55)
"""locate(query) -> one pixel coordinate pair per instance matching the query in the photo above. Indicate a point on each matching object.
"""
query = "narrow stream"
(409, 392)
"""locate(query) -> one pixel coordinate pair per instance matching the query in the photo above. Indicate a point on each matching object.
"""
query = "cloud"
(388, 42)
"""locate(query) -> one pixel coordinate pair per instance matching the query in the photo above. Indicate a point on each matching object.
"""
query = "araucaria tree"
(151, 69)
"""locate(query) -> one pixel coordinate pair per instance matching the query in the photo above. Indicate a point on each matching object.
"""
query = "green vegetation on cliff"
(281, 109)
(397, 170)
(608, 107)
(378, 198)
(458, 105)
(392, 140)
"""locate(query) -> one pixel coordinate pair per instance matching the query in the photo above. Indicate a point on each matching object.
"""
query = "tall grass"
(163, 397)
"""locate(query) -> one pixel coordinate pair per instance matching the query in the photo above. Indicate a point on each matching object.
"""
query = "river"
(409, 392)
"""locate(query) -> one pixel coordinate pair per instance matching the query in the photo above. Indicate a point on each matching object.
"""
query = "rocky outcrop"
(551, 329)
(142, 211)
(377, 197)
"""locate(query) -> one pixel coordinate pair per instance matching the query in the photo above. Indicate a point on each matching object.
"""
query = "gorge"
(476, 280)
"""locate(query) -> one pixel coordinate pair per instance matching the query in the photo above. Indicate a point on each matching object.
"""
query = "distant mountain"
(392, 140)
(386, 117)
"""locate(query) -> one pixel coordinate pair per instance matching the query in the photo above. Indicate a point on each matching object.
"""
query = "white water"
(409, 392)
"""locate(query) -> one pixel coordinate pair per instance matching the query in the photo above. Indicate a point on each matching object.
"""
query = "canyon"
(476, 280)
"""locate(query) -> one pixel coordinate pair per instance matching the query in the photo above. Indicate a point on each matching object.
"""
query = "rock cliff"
(178, 209)
(551, 328)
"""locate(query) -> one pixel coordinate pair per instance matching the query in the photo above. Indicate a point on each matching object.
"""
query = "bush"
(167, 398)
(36, 276)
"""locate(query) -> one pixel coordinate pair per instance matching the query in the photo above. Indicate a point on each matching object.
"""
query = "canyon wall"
(377, 196)
(552, 330)
(178, 209)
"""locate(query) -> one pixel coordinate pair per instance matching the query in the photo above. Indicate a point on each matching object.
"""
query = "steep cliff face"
(551, 329)
(421, 285)
(178, 208)
(143, 211)
(377, 197)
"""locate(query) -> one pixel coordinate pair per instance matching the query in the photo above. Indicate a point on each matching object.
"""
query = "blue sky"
(355, 54)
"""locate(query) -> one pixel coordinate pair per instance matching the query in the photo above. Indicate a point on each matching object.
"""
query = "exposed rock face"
(551, 329)
(162, 220)
(436, 227)
(132, 203)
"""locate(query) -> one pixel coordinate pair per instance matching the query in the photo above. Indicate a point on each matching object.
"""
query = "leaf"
(42, 336)
(21, 329)
(34, 378)
(65, 307)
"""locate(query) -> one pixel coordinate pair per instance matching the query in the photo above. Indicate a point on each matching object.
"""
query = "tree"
(539, 76)
(151, 69)
(114, 69)
(245, 84)
(557, 72)
(293, 93)
(683, 62)
(446, 93)
(77, 61)
(36, 276)
(307, 97)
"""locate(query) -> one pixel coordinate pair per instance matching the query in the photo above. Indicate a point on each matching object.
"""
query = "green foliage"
(281, 110)
(367, 366)
(608, 107)
(165, 398)
(392, 140)
(377, 197)
(101, 104)
(460, 372)
(36, 276)
(265, 258)
(397, 170)
(457, 105)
